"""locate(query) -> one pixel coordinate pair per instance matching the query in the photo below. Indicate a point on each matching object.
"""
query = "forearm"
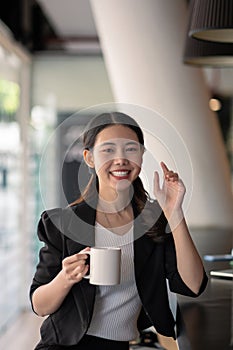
(47, 298)
(189, 263)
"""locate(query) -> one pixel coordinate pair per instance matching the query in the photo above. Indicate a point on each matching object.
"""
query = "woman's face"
(117, 157)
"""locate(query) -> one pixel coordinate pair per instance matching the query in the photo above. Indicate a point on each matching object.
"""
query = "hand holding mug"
(74, 266)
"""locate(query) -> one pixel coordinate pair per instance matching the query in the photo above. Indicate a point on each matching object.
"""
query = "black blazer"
(68, 231)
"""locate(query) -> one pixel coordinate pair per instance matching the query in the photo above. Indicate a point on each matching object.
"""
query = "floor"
(24, 334)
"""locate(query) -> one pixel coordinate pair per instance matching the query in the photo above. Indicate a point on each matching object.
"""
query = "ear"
(88, 158)
(143, 150)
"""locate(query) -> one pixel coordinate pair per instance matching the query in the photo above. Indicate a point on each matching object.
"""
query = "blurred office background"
(60, 57)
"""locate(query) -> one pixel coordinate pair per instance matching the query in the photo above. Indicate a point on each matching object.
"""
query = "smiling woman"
(115, 211)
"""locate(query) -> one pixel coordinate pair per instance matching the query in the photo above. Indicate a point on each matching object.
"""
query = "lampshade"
(212, 20)
(207, 53)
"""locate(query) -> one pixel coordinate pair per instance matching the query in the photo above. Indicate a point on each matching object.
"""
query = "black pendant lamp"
(207, 53)
(212, 20)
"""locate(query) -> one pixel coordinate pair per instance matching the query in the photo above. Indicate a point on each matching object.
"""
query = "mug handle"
(88, 276)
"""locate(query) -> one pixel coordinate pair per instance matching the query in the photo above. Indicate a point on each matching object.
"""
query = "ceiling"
(73, 24)
(70, 17)
(51, 25)
(68, 26)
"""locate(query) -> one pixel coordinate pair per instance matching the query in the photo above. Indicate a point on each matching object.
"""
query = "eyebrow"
(107, 144)
(113, 143)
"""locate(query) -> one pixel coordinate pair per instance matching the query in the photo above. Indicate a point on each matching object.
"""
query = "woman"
(114, 206)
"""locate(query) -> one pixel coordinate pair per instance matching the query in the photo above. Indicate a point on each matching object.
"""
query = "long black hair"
(93, 128)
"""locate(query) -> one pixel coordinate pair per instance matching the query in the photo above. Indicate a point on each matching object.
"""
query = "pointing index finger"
(164, 168)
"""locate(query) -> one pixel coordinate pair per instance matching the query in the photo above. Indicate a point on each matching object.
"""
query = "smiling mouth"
(120, 174)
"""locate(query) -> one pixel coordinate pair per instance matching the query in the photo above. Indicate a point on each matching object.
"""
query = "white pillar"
(142, 43)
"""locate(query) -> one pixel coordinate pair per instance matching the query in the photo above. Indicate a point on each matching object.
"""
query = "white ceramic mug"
(105, 266)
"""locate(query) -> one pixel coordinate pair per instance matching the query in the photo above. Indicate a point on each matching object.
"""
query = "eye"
(108, 150)
(132, 149)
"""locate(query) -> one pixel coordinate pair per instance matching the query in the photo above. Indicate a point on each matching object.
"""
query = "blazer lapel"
(143, 245)
(79, 225)
(143, 248)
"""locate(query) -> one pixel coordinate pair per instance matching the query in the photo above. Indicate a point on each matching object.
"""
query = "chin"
(123, 185)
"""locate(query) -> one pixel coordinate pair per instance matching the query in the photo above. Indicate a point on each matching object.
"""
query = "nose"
(120, 158)
(121, 161)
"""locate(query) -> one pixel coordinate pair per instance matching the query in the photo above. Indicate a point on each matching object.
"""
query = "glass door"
(14, 110)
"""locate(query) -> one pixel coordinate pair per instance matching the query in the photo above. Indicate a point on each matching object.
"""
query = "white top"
(117, 308)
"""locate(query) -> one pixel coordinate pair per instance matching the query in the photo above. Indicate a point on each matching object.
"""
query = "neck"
(114, 204)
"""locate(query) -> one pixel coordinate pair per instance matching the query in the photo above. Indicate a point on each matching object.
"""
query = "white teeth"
(120, 173)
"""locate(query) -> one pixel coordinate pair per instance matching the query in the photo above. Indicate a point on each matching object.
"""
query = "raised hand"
(170, 196)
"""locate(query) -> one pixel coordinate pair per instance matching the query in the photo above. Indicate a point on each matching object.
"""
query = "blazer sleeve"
(51, 254)
(176, 284)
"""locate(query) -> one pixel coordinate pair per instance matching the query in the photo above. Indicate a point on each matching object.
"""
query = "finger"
(175, 177)
(73, 260)
(70, 259)
(70, 268)
(81, 262)
(87, 249)
(156, 182)
(79, 268)
(86, 269)
(171, 176)
(81, 255)
(77, 272)
(79, 265)
(82, 272)
(164, 168)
